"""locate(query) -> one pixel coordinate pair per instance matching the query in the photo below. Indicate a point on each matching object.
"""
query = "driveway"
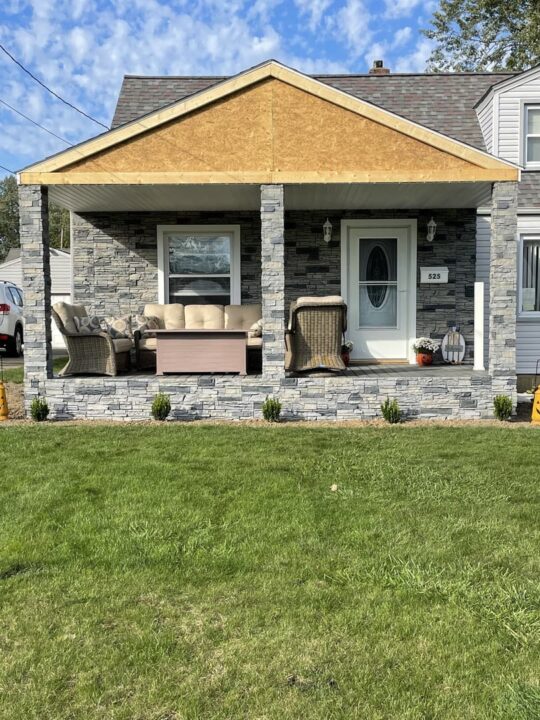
(11, 362)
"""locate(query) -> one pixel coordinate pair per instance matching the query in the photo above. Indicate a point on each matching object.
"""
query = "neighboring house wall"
(115, 260)
(60, 282)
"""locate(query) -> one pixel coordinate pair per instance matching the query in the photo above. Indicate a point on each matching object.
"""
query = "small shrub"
(391, 412)
(271, 409)
(161, 406)
(39, 409)
(502, 407)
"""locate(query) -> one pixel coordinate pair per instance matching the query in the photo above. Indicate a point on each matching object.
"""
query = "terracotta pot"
(424, 358)
(346, 357)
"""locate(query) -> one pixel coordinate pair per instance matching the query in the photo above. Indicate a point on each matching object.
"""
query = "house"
(60, 263)
(270, 159)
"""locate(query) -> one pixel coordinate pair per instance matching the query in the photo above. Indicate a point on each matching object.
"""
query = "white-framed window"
(529, 288)
(531, 150)
(199, 264)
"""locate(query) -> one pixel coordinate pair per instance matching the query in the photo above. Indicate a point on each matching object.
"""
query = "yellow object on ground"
(4, 410)
(535, 415)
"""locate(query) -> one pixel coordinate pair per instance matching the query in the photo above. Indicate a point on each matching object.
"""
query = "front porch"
(270, 155)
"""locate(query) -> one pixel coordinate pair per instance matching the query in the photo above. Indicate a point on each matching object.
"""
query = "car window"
(19, 293)
(15, 296)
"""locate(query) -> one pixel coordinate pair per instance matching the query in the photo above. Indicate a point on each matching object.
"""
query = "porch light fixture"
(431, 230)
(327, 231)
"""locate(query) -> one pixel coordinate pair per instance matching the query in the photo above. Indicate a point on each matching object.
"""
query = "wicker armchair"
(89, 354)
(315, 334)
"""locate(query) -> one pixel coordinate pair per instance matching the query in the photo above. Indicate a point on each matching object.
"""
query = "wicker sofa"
(211, 317)
(315, 334)
(95, 354)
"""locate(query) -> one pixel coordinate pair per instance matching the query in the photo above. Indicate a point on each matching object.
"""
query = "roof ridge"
(483, 73)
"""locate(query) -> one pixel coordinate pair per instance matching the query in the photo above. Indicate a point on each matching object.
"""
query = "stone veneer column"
(273, 280)
(36, 285)
(503, 281)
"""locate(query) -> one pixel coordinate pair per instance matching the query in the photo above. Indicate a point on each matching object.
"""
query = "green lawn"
(209, 571)
(16, 375)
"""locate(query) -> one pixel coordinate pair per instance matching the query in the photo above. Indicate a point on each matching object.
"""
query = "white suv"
(11, 318)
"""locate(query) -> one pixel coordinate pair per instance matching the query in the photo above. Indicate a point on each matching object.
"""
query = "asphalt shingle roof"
(442, 102)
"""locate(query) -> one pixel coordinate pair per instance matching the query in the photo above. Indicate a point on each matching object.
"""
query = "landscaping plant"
(39, 409)
(271, 409)
(391, 411)
(161, 407)
(502, 407)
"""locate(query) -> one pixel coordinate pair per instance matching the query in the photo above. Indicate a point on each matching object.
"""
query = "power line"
(3, 167)
(49, 89)
(34, 122)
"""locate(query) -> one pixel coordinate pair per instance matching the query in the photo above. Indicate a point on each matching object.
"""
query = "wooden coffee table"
(201, 351)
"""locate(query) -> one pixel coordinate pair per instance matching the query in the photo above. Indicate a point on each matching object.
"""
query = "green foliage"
(485, 35)
(9, 220)
(161, 407)
(9, 215)
(39, 409)
(502, 407)
(391, 412)
(271, 409)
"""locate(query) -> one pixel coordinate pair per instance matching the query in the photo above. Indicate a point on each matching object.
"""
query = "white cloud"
(400, 8)
(352, 24)
(314, 9)
(417, 59)
(402, 36)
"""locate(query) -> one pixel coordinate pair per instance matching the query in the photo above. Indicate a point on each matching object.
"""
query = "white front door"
(380, 290)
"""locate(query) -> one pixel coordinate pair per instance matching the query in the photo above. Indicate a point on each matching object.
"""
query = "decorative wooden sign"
(432, 275)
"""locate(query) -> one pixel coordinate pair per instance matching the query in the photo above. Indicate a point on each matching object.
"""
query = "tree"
(9, 220)
(9, 215)
(485, 35)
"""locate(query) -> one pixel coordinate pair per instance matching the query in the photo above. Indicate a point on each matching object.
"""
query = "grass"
(16, 375)
(166, 572)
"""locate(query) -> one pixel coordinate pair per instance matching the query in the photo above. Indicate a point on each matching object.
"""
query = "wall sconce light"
(431, 230)
(327, 231)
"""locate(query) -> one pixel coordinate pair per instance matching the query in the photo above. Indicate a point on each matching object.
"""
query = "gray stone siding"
(115, 260)
(273, 280)
(503, 283)
(467, 396)
(36, 285)
(314, 268)
(115, 256)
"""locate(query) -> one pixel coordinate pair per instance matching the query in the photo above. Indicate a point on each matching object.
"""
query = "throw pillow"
(117, 328)
(144, 323)
(256, 329)
(88, 325)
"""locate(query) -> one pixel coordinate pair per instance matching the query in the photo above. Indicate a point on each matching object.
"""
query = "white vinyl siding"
(485, 118)
(509, 145)
(60, 272)
(528, 326)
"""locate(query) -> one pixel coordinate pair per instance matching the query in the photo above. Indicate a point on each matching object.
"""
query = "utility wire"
(34, 122)
(3, 167)
(49, 89)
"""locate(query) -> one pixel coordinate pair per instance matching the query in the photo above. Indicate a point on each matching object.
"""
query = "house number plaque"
(431, 275)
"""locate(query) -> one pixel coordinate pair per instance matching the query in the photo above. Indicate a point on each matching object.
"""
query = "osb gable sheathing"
(270, 127)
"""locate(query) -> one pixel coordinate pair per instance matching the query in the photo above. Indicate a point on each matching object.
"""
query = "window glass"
(532, 138)
(530, 280)
(16, 298)
(199, 267)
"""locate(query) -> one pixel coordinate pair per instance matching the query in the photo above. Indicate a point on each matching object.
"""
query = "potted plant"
(424, 349)
(346, 352)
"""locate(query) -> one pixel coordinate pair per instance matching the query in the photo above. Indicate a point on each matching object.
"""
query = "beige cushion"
(173, 316)
(327, 300)
(209, 317)
(254, 342)
(122, 345)
(147, 343)
(241, 317)
(155, 310)
(67, 314)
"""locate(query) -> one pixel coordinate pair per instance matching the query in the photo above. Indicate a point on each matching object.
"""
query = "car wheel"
(16, 344)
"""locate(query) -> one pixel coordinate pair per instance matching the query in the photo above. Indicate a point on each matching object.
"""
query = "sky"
(82, 48)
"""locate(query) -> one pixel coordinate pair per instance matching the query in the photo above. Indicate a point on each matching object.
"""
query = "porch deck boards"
(403, 369)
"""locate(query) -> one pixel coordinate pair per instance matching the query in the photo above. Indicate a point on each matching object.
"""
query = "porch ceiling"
(397, 196)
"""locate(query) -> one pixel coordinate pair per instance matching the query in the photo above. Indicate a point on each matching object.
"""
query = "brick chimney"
(379, 69)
